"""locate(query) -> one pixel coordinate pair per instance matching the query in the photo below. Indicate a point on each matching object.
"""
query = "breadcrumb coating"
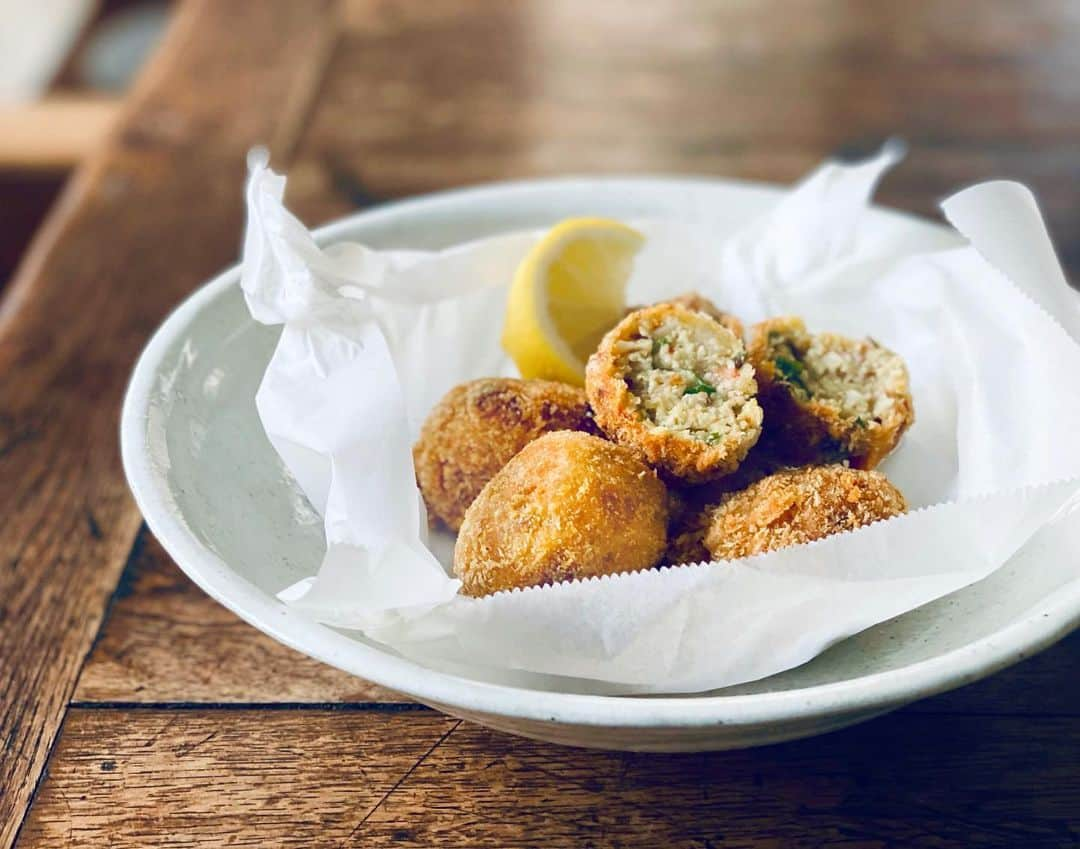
(799, 506)
(568, 506)
(478, 426)
(828, 397)
(673, 384)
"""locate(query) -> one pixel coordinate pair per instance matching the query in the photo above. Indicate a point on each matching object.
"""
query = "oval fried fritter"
(568, 506)
(799, 506)
(673, 384)
(478, 426)
(828, 397)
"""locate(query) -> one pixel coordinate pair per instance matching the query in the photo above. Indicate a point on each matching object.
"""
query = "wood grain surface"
(343, 778)
(167, 641)
(54, 134)
(454, 93)
(191, 729)
(137, 228)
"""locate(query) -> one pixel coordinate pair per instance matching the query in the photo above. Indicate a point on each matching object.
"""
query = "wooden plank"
(167, 641)
(456, 93)
(238, 778)
(56, 133)
(141, 224)
(305, 778)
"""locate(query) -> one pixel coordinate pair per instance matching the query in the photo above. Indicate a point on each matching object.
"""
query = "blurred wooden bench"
(53, 134)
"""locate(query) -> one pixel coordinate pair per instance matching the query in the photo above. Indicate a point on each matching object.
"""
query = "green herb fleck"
(658, 343)
(713, 438)
(860, 421)
(791, 371)
(699, 386)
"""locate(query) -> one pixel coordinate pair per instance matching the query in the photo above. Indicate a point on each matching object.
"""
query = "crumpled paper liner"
(371, 340)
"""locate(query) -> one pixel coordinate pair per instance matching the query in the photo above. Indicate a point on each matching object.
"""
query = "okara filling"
(692, 379)
(851, 376)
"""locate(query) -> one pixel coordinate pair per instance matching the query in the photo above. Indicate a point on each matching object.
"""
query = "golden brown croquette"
(568, 506)
(478, 426)
(827, 397)
(799, 506)
(673, 384)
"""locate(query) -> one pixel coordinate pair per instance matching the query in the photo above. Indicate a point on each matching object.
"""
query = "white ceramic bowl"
(216, 496)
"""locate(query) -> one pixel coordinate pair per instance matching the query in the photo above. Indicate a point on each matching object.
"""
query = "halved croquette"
(674, 385)
(828, 397)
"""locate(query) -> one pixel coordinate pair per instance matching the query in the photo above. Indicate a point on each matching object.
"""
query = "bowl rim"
(1046, 622)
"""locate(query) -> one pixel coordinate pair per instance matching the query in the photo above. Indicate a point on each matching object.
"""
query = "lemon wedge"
(567, 293)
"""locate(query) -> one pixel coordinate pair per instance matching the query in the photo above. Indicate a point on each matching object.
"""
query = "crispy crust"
(697, 301)
(801, 429)
(619, 413)
(568, 506)
(478, 426)
(799, 506)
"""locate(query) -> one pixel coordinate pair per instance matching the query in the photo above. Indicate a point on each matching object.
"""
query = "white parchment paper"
(371, 340)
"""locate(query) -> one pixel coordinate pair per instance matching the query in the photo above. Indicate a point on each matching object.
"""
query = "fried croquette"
(478, 426)
(827, 397)
(674, 385)
(799, 506)
(568, 506)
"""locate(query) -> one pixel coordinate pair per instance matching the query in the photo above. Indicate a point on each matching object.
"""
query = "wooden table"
(136, 712)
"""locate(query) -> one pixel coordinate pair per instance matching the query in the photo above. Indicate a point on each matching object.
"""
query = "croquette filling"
(859, 379)
(691, 378)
